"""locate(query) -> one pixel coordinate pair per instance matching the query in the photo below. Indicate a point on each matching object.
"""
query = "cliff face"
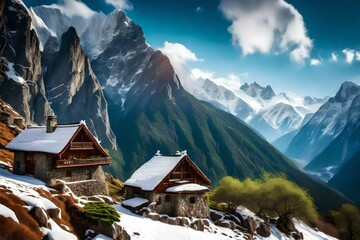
(21, 82)
(72, 88)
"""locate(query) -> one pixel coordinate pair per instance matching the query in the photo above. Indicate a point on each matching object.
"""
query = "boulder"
(206, 222)
(197, 225)
(172, 221)
(222, 224)
(215, 216)
(250, 225)
(119, 233)
(95, 199)
(185, 222)
(297, 235)
(40, 216)
(263, 230)
(286, 225)
(54, 212)
(154, 216)
(164, 219)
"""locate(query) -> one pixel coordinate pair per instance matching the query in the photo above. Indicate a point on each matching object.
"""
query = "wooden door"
(30, 165)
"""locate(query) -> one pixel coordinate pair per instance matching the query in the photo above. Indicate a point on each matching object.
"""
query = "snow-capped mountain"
(335, 123)
(271, 115)
(31, 82)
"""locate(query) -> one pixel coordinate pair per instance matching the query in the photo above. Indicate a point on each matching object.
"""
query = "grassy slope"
(219, 143)
(347, 179)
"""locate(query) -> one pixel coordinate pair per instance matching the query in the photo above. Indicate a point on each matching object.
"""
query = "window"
(187, 176)
(87, 172)
(159, 200)
(178, 169)
(167, 198)
(175, 176)
(192, 200)
(68, 173)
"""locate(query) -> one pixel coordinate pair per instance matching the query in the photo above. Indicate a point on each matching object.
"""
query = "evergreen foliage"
(101, 212)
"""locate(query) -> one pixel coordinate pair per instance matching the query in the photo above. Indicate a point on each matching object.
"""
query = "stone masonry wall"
(198, 209)
(88, 188)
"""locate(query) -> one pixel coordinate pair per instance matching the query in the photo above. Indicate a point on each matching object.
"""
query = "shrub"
(347, 221)
(272, 196)
(101, 212)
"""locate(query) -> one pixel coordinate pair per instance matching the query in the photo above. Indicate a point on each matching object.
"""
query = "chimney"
(51, 123)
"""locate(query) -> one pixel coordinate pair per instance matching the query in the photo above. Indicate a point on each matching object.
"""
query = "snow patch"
(7, 212)
(191, 187)
(134, 202)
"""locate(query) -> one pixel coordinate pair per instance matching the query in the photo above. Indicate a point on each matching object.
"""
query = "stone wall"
(174, 204)
(88, 188)
(183, 207)
(92, 178)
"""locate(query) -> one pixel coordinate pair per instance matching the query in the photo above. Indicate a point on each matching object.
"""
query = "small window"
(192, 200)
(167, 198)
(87, 172)
(175, 176)
(159, 200)
(187, 176)
(178, 169)
(68, 173)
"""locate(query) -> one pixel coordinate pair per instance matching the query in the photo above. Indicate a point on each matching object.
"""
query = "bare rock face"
(21, 81)
(73, 89)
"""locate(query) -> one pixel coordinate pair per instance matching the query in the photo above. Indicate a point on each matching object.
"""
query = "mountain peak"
(347, 91)
(256, 90)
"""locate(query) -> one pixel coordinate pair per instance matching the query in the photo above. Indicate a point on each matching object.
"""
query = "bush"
(101, 212)
(347, 221)
(271, 196)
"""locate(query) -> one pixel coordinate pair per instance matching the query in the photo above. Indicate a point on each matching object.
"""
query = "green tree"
(347, 221)
(280, 197)
(273, 196)
(234, 192)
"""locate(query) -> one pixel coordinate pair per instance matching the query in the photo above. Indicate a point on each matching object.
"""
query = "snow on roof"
(151, 173)
(36, 139)
(134, 202)
(191, 187)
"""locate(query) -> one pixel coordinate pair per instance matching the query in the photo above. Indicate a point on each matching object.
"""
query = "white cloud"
(74, 8)
(315, 62)
(120, 4)
(180, 56)
(349, 54)
(334, 57)
(178, 53)
(198, 73)
(357, 56)
(267, 25)
(199, 9)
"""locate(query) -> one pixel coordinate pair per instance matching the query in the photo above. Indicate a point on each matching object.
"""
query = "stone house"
(174, 182)
(67, 152)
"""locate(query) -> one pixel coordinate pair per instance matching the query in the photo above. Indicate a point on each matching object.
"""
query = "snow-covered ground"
(25, 188)
(138, 227)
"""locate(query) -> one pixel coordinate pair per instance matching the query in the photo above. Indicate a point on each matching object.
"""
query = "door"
(30, 164)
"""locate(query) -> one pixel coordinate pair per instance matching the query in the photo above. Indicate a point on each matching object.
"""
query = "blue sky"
(305, 47)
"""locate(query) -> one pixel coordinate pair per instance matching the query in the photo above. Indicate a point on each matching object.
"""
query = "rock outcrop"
(21, 81)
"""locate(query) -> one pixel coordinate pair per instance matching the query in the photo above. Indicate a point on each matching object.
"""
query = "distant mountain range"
(102, 69)
(331, 136)
(269, 114)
